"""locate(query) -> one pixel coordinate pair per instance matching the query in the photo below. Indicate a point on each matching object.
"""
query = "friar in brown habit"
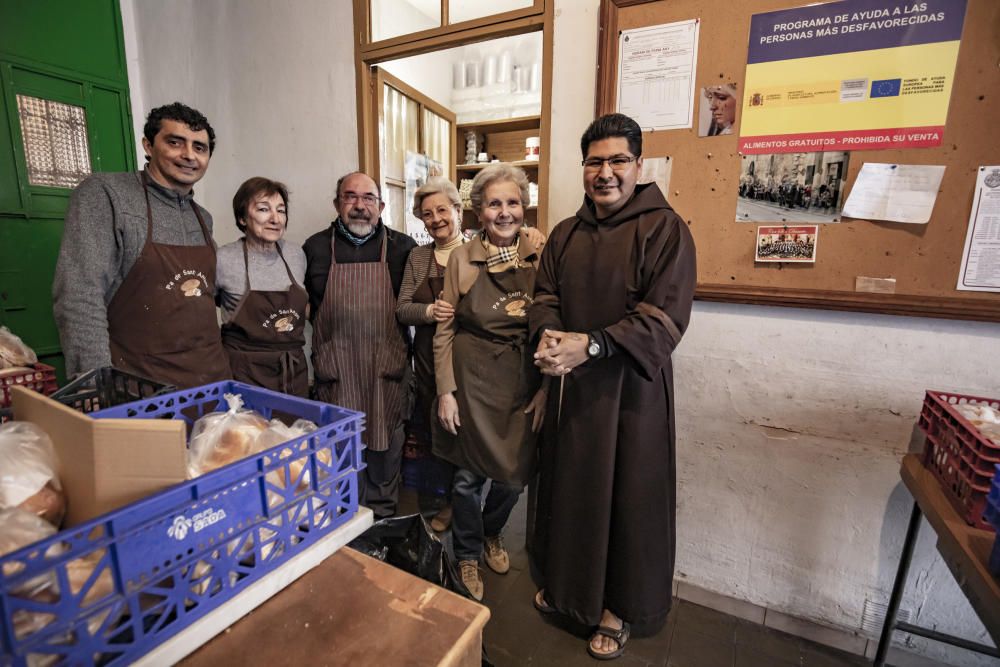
(612, 299)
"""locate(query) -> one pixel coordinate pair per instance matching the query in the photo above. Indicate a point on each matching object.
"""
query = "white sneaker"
(495, 555)
(470, 578)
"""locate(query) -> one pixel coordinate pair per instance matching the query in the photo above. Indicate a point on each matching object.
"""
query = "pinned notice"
(894, 192)
(656, 71)
(981, 259)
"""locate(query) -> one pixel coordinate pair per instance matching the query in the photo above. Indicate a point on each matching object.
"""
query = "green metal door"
(67, 58)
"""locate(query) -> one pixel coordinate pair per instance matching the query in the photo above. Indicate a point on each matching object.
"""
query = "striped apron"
(359, 353)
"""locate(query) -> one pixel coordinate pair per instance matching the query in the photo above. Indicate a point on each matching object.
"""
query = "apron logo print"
(189, 282)
(191, 287)
(516, 308)
(514, 303)
(283, 321)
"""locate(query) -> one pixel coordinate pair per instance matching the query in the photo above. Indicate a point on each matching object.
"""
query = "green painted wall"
(70, 51)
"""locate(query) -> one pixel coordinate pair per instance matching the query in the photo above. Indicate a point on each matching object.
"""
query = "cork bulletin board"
(923, 260)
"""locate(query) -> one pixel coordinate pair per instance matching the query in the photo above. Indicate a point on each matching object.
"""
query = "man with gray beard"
(360, 353)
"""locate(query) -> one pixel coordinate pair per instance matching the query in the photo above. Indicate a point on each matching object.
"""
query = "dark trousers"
(471, 521)
(378, 484)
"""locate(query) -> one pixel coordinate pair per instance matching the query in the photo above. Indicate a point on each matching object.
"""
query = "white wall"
(277, 83)
(430, 73)
(792, 424)
(574, 67)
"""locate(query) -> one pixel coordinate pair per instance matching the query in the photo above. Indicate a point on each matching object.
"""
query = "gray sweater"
(267, 272)
(104, 234)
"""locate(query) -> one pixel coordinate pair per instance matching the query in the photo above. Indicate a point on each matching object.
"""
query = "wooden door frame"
(363, 25)
(385, 78)
(539, 17)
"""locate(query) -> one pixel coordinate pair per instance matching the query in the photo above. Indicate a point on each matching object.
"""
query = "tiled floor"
(695, 636)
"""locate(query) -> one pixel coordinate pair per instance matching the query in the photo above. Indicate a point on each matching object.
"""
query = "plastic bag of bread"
(221, 438)
(277, 433)
(18, 529)
(13, 352)
(29, 472)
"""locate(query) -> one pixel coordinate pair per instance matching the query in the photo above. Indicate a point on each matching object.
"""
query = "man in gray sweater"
(135, 281)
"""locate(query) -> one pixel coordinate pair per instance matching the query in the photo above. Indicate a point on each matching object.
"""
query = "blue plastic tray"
(158, 565)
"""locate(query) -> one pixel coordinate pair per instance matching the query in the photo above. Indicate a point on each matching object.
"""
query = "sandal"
(540, 603)
(619, 635)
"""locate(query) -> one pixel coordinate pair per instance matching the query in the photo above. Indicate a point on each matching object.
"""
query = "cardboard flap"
(106, 463)
(72, 436)
(137, 457)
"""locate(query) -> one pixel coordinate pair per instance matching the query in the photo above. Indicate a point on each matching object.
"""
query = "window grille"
(55, 142)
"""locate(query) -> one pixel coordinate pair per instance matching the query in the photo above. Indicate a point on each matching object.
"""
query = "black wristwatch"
(593, 347)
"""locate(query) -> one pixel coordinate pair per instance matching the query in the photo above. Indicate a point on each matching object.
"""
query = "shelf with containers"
(503, 140)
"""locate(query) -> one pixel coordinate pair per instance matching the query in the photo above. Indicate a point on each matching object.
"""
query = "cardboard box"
(106, 463)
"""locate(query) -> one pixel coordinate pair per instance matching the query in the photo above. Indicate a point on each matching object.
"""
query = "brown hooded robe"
(604, 523)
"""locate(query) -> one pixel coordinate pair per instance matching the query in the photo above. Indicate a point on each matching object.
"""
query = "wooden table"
(353, 610)
(964, 549)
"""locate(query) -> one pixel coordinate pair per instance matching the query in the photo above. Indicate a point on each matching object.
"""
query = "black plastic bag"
(407, 542)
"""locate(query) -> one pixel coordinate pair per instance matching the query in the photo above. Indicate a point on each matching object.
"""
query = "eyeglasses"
(353, 197)
(616, 162)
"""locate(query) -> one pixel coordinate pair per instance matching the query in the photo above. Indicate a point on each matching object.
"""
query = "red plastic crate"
(961, 457)
(42, 379)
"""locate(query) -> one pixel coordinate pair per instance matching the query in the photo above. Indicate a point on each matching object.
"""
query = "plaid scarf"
(499, 259)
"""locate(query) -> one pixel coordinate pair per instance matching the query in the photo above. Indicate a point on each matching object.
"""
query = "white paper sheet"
(656, 72)
(657, 170)
(981, 260)
(894, 192)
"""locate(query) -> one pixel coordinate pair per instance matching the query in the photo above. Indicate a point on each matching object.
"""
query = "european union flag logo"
(886, 88)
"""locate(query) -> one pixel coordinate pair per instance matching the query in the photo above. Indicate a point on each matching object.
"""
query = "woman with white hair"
(490, 395)
(420, 305)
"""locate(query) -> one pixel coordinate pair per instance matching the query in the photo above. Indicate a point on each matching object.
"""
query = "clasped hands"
(559, 352)
(440, 310)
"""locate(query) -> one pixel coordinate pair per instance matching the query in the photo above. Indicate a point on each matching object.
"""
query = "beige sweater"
(464, 267)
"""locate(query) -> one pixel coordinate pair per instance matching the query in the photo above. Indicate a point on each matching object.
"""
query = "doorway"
(482, 68)
(452, 112)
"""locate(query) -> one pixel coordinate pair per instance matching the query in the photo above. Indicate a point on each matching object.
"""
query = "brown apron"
(266, 335)
(162, 320)
(495, 377)
(359, 353)
(423, 355)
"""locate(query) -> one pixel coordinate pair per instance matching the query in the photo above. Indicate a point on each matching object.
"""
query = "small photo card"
(779, 243)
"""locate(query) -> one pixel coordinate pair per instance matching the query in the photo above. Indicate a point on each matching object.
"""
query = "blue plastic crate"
(162, 563)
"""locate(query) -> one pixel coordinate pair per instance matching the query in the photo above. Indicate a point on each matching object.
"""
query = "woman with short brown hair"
(259, 288)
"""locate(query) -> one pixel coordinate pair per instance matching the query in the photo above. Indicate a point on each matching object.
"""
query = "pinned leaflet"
(981, 260)
(894, 192)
